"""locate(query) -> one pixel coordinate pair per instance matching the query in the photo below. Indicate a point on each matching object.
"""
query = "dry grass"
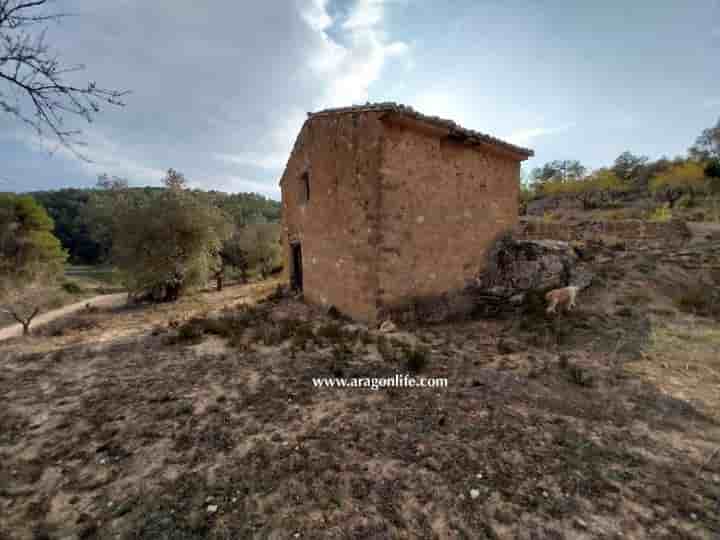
(548, 428)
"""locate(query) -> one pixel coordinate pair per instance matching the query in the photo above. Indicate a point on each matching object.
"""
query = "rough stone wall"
(631, 230)
(442, 205)
(335, 227)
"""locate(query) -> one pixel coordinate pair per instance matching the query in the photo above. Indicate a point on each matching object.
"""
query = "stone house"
(384, 208)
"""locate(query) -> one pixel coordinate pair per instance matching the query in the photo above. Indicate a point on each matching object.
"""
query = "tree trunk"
(26, 321)
(219, 280)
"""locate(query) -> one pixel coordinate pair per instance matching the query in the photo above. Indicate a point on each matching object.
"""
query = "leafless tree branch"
(32, 86)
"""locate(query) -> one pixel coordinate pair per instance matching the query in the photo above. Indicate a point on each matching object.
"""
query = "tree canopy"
(31, 257)
(707, 145)
(169, 243)
(82, 216)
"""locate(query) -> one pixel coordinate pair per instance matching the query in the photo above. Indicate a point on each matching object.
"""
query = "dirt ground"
(132, 423)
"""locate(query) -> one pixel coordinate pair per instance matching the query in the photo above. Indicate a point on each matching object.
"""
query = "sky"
(219, 90)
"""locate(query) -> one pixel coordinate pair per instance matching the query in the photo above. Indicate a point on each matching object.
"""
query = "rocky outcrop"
(516, 268)
(516, 273)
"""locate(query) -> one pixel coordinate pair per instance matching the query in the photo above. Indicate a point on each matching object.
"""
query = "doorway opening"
(296, 276)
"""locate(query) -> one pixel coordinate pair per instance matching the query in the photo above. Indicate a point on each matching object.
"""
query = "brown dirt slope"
(190, 421)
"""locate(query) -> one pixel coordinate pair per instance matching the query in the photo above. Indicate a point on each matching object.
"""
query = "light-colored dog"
(564, 297)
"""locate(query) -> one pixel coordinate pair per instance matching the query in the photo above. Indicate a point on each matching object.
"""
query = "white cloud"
(350, 68)
(263, 160)
(101, 155)
(524, 136)
(345, 71)
(316, 16)
(228, 108)
(365, 14)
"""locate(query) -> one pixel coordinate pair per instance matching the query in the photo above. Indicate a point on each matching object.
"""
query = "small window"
(305, 187)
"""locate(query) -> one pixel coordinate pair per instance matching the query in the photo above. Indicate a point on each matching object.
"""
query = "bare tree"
(32, 85)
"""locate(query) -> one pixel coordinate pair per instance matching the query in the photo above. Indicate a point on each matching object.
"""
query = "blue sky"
(221, 93)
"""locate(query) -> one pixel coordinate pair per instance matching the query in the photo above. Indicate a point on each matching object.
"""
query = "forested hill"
(69, 208)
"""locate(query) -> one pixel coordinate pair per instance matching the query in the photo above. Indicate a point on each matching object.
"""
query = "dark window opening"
(296, 276)
(305, 187)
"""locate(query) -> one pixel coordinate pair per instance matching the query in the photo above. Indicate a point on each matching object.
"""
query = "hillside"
(200, 419)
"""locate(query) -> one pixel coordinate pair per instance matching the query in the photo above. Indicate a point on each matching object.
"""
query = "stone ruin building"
(384, 207)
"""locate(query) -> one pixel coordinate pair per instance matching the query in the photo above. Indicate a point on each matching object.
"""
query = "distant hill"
(67, 208)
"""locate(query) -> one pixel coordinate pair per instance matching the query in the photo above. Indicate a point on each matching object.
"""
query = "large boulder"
(516, 268)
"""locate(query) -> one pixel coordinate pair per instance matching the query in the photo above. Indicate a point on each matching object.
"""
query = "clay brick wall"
(397, 213)
(629, 230)
(335, 227)
(442, 204)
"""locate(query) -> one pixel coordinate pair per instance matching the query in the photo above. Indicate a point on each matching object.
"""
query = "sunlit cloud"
(524, 136)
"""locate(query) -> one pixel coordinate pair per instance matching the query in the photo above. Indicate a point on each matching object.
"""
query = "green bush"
(416, 358)
(661, 214)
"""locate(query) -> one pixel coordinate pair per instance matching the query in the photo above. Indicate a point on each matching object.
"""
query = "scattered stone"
(387, 327)
(474, 493)
(508, 346)
(212, 508)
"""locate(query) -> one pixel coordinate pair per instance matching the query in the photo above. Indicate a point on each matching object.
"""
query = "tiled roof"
(454, 129)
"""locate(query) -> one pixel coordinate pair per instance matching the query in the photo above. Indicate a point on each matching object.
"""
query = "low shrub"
(331, 331)
(191, 331)
(71, 287)
(416, 358)
(699, 299)
(580, 376)
(385, 349)
(660, 214)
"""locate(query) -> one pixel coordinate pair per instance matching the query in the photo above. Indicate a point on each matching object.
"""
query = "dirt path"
(105, 300)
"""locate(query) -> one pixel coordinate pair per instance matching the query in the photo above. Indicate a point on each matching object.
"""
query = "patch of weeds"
(662, 312)
(700, 300)
(639, 297)
(415, 358)
(303, 335)
(191, 331)
(331, 332)
(580, 376)
(645, 267)
(62, 327)
(385, 349)
(273, 334)
(365, 337)
(660, 214)
(71, 287)
(341, 355)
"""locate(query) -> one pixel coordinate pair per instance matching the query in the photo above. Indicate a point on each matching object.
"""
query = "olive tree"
(261, 243)
(168, 243)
